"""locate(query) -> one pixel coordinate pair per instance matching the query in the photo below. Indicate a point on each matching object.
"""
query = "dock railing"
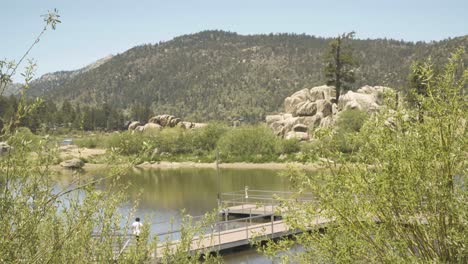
(120, 241)
(220, 234)
(264, 202)
(258, 214)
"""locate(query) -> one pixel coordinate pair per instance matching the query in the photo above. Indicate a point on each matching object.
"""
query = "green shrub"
(289, 146)
(24, 136)
(126, 143)
(351, 120)
(344, 142)
(172, 140)
(309, 151)
(184, 142)
(87, 142)
(349, 123)
(248, 143)
(205, 139)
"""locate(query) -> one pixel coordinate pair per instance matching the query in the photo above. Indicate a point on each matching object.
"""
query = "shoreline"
(75, 152)
(235, 165)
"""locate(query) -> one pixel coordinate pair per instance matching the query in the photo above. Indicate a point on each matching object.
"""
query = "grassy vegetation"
(252, 143)
(249, 143)
(348, 125)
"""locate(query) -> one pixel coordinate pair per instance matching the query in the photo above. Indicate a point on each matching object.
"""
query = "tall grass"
(242, 144)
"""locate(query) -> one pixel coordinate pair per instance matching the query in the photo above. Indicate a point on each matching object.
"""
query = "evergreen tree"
(340, 64)
(67, 113)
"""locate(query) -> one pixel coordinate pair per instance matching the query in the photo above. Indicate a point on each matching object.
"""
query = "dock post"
(172, 229)
(218, 179)
(272, 226)
(219, 237)
(246, 230)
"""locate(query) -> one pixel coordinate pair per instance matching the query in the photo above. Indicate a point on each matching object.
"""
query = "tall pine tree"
(340, 64)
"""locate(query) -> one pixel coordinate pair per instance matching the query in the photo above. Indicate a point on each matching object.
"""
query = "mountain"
(11, 89)
(218, 75)
(52, 81)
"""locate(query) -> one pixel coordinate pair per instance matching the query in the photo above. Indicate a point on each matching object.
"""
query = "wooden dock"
(232, 238)
(249, 210)
(249, 203)
(258, 215)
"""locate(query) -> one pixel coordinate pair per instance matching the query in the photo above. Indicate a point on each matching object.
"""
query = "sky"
(92, 29)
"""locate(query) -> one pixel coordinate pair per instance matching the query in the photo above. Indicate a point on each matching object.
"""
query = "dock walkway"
(257, 215)
(249, 203)
(249, 210)
(222, 240)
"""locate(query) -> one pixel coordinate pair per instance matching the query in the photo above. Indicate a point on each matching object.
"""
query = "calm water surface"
(163, 193)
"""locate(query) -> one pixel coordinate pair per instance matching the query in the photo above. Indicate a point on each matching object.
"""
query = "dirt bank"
(237, 165)
(72, 151)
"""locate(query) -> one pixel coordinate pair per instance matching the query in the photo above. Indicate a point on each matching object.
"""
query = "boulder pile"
(162, 121)
(72, 164)
(309, 109)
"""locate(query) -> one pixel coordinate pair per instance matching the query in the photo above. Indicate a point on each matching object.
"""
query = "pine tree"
(340, 64)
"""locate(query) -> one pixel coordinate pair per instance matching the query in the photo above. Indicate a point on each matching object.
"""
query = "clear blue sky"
(92, 29)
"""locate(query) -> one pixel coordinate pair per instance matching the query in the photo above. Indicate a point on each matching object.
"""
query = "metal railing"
(249, 203)
(247, 227)
(120, 242)
(262, 195)
(269, 201)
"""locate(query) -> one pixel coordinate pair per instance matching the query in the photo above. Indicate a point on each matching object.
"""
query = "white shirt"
(136, 228)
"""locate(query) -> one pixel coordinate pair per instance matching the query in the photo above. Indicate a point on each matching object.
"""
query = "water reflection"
(163, 193)
(194, 190)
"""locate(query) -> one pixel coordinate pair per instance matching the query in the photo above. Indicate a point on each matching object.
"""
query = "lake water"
(163, 193)
(167, 191)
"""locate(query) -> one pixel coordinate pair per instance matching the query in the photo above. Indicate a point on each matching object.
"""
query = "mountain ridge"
(52, 80)
(218, 75)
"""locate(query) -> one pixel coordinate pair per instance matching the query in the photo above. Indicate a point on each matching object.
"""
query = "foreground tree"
(404, 198)
(42, 221)
(340, 64)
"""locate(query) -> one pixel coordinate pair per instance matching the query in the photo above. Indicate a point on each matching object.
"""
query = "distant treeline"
(51, 116)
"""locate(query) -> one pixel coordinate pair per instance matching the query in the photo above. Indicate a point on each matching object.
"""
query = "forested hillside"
(11, 89)
(217, 75)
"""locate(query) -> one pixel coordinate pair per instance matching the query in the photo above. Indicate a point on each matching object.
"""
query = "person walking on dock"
(136, 228)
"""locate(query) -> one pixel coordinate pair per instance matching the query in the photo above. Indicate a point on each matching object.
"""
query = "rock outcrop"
(72, 164)
(308, 109)
(308, 102)
(303, 136)
(367, 99)
(134, 125)
(150, 126)
(162, 121)
(165, 120)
